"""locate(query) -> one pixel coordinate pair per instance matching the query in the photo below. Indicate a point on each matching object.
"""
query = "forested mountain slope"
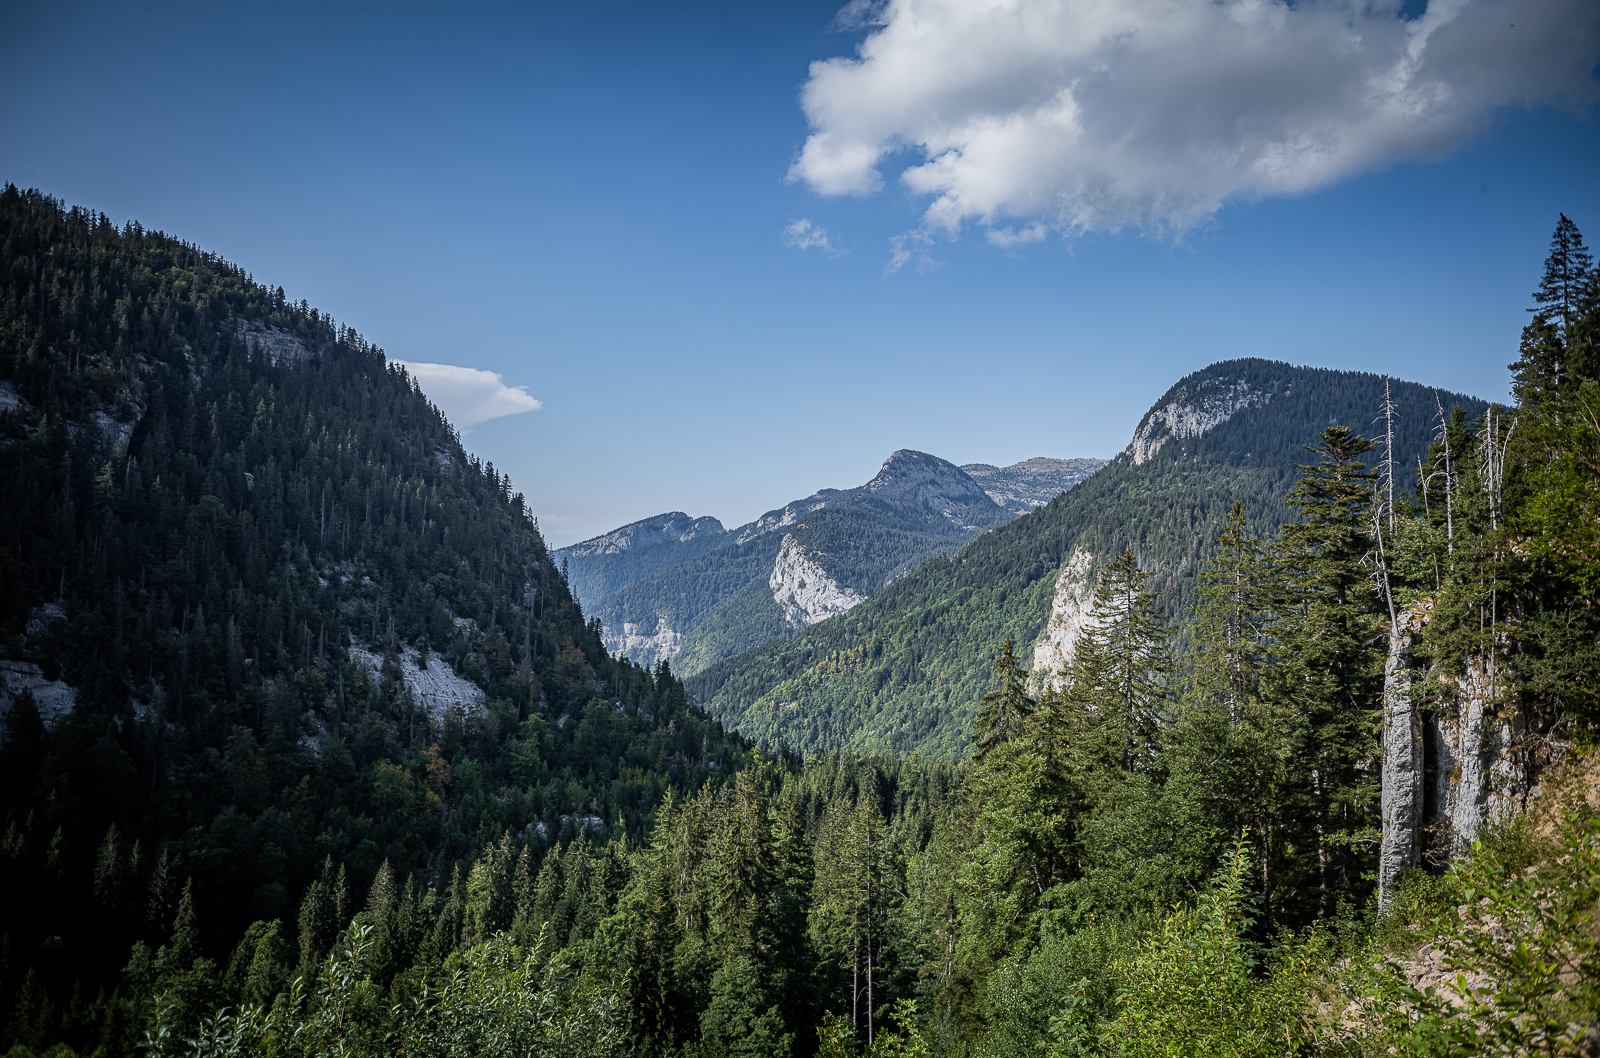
(696, 593)
(269, 635)
(599, 566)
(905, 670)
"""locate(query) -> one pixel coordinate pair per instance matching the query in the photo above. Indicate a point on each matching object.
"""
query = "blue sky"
(591, 201)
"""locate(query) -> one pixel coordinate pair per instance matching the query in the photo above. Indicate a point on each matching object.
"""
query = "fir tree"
(1004, 713)
(1331, 672)
(1121, 665)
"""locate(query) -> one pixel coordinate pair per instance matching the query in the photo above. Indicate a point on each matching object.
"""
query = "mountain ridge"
(674, 587)
(902, 671)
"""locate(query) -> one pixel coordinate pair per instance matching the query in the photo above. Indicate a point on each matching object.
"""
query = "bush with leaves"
(498, 999)
(1194, 988)
(1524, 945)
(837, 1038)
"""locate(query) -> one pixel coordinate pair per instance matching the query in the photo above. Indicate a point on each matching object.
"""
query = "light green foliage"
(1524, 947)
(501, 1000)
(1193, 988)
(837, 1039)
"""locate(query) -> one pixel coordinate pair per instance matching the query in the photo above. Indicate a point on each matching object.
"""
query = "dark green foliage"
(198, 532)
(906, 669)
(721, 601)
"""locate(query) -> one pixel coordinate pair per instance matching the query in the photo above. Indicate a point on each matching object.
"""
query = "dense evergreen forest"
(1171, 848)
(198, 529)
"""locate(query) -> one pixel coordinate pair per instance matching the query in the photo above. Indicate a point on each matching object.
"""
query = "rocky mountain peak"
(1194, 406)
(674, 527)
(936, 485)
(1026, 486)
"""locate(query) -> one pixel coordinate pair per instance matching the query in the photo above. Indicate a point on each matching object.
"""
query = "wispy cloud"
(804, 235)
(469, 396)
(1080, 115)
(1007, 239)
(908, 245)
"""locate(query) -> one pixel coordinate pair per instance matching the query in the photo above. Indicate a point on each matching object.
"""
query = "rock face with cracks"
(1069, 616)
(1029, 485)
(1454, 759)
(1191, 412)
(802, 588)
(434, 689)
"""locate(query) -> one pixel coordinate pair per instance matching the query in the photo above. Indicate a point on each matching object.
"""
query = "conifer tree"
(1230, 758)
(1121, 665)
(1567, 273)
(490, 897)
(1004, 713)
(1237, 601)
(1331, 672)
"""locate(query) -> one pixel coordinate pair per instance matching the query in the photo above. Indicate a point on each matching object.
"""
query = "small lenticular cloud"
(468, 395)
(804, 235)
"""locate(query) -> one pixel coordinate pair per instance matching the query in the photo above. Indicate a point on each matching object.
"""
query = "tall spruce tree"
(1331, 671)
(1122, 664)
(1003, 716)
(1231, 756)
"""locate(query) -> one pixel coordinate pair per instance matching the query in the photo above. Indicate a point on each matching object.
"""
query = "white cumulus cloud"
(804, 235)
(469, 396)
(1078, 115)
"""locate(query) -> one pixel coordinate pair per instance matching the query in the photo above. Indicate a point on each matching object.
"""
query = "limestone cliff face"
(1069, 616)
(1402, 802)
(802, 588)
(643, 645)
(275, 345)
(1452, 761)
(434, 689)
(1190, 411)
(103, 431)
(937, 486)
(674, 527)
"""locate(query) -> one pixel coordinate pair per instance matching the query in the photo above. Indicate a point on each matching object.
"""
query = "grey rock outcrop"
(803, 590)
(1029, 485)
(937, 486)
(278, 346)
(53, 698)
(1402, 786)
(636, 640)
(434, 689)
(1069, 616)
(1193, 411)
(1457, 754)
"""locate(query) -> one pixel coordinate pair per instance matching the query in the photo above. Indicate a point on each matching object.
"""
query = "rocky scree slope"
(905, 670)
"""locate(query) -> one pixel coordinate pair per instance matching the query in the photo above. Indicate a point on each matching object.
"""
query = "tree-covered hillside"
(218, 504)
(309, 751)
(713, 596)
(599, 566)
(904, 670)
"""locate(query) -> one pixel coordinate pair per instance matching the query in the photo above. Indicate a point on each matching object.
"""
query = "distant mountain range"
(688, 589)
(904, 670)
(1029, 485)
